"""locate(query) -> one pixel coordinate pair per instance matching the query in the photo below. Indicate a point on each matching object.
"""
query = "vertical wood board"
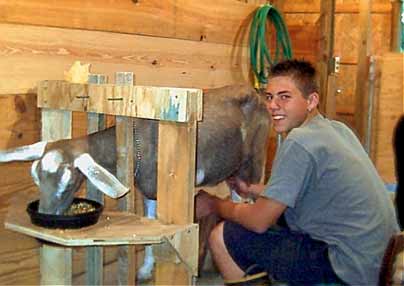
(390, 106)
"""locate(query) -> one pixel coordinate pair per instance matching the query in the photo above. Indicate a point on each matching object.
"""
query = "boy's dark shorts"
(285, 255)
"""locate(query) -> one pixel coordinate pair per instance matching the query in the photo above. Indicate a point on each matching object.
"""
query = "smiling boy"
(335, 212)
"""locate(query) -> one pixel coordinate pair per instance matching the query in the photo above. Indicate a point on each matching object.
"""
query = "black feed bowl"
(65, 221)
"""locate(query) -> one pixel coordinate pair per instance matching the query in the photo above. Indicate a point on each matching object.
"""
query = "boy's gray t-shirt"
(334, 194)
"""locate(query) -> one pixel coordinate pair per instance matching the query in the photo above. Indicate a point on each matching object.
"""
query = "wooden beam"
(313, 6)
(162, 103)
(325, 65)
(95, 254)
(56, 265)
(361, 91)
(389, 107)
(56, 261)
(32, 54)
(175, 187)
(396, 30)
(209, 21)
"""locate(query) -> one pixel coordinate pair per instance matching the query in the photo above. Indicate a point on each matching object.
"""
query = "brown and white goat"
(231, 142)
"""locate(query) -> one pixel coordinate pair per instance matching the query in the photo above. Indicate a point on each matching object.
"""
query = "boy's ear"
(313, 100)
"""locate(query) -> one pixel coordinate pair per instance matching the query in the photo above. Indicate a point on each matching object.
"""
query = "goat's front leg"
(145, 272)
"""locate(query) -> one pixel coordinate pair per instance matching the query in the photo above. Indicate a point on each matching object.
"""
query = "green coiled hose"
(258, 44)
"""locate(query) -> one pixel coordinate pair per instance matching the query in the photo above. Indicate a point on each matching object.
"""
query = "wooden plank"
(155, 61)
(113, 228)
(20, 123)
(175, 185)
(56, 265)
(124, 142)
(176, 172)
(31, 55)
(361, 92)
(55, 261)
(209, 20)
(168, 273)
(396, 22)
(325, 65)
(342, 6)
(19, 267)
(56, 124)
(163, 103)
(95, 254)
(389, 107)
(304, 33)
(330, 107)
(347, 36)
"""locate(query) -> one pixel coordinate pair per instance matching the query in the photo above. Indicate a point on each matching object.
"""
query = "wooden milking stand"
(178, 111)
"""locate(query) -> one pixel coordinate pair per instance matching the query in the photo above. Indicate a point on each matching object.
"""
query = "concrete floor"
(209, 279)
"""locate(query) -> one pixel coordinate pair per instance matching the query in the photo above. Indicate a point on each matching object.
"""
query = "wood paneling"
(342, 6)
(208, 21)
(30, 54)
(390, 106)
(20, 124)
(347, 36)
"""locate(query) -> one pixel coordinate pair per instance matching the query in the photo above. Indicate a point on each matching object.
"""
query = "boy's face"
(286, 104)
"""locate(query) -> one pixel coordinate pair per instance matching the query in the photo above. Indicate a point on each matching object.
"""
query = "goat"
(231, 142)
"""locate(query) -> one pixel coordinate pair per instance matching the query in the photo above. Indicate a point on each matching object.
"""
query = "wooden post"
(325, 66)
(124, 146)
(330, 102)
(55, 261)
(95, 254)
(396, 31)
(56, 265)
(361, 94)
(175, 185)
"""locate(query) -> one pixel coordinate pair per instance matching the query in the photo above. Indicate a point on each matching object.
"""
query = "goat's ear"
(34, 172)
(100, 177)
(24, 153)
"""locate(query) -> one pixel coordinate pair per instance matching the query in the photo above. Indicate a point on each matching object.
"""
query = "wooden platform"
(113, 228)
(177, 110)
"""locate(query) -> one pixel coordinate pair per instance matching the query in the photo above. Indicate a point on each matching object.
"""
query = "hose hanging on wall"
(258, 44)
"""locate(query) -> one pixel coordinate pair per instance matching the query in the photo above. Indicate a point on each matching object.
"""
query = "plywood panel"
(18, 253)
(30, 54)
(209, 20)
(19, 125)
(304, 33)
(389, 109)
(19, 121)
(347, 36)
(19, 267)
(346, 87)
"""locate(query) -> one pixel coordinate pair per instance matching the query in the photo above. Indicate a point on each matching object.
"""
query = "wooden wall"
(388, 107)
(173, 43)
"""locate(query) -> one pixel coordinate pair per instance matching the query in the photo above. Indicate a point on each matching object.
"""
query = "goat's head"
(59, 172)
